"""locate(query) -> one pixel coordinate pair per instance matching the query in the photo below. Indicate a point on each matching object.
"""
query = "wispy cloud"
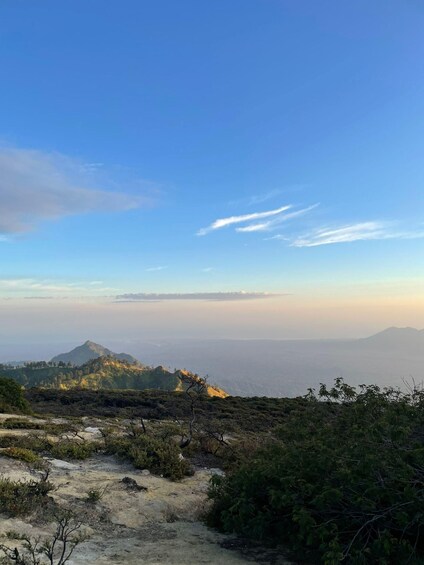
(37, 186)
(159, 268)
(278, 236)
(244, 218)
(208, 296)
(260, 198)
(273, 223)
(363, 231)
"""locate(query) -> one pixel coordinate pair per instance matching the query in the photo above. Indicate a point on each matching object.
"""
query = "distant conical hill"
(107, 372)
(88, 351)
(396, 338)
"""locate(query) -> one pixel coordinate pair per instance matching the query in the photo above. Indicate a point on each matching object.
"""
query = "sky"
(235, 168)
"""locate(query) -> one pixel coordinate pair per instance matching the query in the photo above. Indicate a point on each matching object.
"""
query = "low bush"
(21, 424)
(71, 449)
(61, 449)
(342, 481)
(58, 429)
(21, 498)
(23, 454)
(35, 443)
(159, 456)
(95, 495)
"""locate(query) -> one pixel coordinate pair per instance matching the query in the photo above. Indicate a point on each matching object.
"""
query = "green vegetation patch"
(341, 481)
(159, 456)
(12, 396)
(72, 449)
(36, 443)
(234, 413)
(21, 424)
(23, 454)
(21, 498)
(68, 449)
(101, 373)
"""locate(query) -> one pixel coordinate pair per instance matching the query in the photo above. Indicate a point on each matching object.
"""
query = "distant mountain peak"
(90, 343)
(395, 330)
(90, 350)
(395, 336)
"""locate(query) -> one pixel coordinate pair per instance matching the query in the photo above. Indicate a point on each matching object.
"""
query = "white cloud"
(254, 227)
(278, 236)
(363, 231)
(273, 223)
(153, 269)
(37, 186)
(225, 222)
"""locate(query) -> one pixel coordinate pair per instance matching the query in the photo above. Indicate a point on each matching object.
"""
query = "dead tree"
(57, 550)
(195, 389)
(65, 539)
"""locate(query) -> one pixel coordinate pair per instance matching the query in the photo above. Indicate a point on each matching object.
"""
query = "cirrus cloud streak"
(363, 231)
(273, 223)
(243, 218)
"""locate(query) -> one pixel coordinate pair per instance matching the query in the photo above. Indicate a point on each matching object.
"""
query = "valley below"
(290, 367)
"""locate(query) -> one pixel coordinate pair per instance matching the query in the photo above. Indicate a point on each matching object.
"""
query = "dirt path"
(158, 526)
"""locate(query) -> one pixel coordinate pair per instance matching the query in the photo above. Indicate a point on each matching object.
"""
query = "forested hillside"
(104, 373)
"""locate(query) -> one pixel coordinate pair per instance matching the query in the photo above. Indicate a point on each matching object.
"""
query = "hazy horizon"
(393, 357)
(43, 350)
(25, 327)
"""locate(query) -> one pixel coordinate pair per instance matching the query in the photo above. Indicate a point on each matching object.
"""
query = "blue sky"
(265, 146)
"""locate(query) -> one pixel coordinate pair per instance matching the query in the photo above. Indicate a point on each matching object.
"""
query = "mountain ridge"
(108, 372)
(88, 351)
(396, 337)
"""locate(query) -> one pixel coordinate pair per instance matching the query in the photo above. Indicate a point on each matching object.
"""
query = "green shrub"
(21, 424)
(95, 495)
(62, 449)
(23, 454)
(341, 481)
(69, 449)
(21, 498)
(58, 429)
(35, 443)
(12, 396)
(159, 456)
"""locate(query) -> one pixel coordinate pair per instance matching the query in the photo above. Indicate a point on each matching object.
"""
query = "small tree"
(12, 396)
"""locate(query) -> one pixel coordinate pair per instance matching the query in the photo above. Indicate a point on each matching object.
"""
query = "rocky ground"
(141, 519)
